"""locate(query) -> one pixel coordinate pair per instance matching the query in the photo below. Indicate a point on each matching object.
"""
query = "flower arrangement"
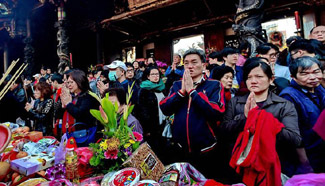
(119, 141)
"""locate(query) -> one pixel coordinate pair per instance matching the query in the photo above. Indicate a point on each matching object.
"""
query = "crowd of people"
(195, 109)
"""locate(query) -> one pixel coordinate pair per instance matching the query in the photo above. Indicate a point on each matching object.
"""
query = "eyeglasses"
(156, 74)
(129, 71)
(317, 32)
(274, 55)
(294, 53)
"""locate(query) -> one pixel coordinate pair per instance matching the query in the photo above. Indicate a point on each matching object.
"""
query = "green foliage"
(97, 115)
(108, 116)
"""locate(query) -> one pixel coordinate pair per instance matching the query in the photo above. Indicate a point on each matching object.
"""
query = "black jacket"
(287, 140)
(81, 110)
(42, 114)
(149, 111)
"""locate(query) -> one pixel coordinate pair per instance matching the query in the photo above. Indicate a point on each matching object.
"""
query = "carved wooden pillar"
(28, 49)
(248, 21)
(62, 37)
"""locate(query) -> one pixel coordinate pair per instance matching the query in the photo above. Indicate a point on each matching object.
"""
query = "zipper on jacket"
(187, 127)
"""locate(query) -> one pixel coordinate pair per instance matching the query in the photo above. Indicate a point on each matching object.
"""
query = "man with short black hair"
(129, 72)
(301, 48)
(43, 72)
(215, 60)
(17, 89)
(175, 71)
(57, 84)
(230, 56)
(197, 104)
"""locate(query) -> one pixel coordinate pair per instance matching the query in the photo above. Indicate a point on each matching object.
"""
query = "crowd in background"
(194, 109)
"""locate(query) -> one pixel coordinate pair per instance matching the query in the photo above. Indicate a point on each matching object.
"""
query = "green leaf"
(93, 161)
(97, 115)
(94, 95)
(129, 94)
(97, 161)
(106, 105)
(122, 123)
(130, 109)
(130, 132)
(110, 111)
(116, 107)
(136, 145)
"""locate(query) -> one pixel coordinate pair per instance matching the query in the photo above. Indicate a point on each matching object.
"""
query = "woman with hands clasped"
(258, 78)
(76, 101)
(41, 111)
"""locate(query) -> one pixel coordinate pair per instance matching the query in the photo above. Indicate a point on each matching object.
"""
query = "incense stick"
(12, 65)
(13, 80)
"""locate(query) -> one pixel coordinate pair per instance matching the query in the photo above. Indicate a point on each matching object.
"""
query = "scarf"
(68, 119)
(160, 86)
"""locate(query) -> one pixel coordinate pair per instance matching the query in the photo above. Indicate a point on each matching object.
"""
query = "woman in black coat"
(79, 102)
(258, 78)
(151, 118)
(41, 112)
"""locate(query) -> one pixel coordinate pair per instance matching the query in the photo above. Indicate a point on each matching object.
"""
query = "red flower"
(111, 154)
(137, 136)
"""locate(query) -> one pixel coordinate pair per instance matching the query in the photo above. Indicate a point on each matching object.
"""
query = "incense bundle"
(12, 80)
(12, 65)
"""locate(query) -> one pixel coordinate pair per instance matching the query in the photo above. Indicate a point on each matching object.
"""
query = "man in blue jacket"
(230, 57)
(197, 104)
(175, 71)
(308, 97)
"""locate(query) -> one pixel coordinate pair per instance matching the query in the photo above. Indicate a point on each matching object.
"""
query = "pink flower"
(137, 136)
(111, 154)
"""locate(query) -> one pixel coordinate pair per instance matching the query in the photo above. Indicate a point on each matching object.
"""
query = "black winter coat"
(287, 140)
(148, 111)
(81, 110)
(42, 114)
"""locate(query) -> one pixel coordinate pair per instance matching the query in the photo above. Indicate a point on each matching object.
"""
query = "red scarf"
(68, 120)
(58, 93)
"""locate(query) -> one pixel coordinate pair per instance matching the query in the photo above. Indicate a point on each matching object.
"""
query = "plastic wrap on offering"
(32, 182)
(181, 174)
(125, 177)
(147, 162)
(57, 182)
(169, 178)
(107, 177)
(147, 183)
(94, 181)
(31, 164)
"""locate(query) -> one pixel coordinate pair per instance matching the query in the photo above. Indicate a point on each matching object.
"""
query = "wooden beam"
(190, 25)
(208, 7)
(145, 9)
